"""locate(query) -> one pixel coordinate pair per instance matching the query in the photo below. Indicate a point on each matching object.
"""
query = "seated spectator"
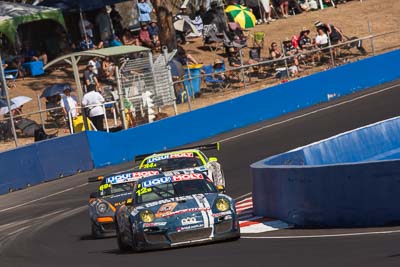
(86, 44)
(108, 68)
(321, 41)
(115, 41)
(154, 31)
(305, 42)
(86, 27)
(234, 57)
(274, 51)
(31, 54)
(129, 39)
(144, 36)
(221, 74)
(183, 57)
(292, 52)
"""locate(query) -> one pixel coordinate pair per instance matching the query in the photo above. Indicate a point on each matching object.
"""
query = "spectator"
(334, 33)
(92, 101)
(284, 6)
(116, 20)
(129, 39)
(108, 68)
(153, 31)
(115, 41)
(144, 8)
(292, 52)
(274, 51)
(254, 5)
(90, 77)
(321, 40)
(86, 44)
(69, 105)
(305, 42)
(104, 26)
(85, 26)
(183, 57)
(144, 36)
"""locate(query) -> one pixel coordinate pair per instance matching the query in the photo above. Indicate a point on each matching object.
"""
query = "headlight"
(222, 204)
(102, 208)
(147, 216)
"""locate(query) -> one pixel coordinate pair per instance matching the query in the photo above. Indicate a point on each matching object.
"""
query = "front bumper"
(149, 239)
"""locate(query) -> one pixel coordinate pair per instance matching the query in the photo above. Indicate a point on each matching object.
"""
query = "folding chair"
(258, 39)
(210, 81)
(211, 38)
(11, 76)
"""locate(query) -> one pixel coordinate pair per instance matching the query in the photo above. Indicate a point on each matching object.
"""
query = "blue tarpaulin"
(77, 5)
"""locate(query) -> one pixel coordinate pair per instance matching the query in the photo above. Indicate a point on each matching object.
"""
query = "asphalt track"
(47, 225)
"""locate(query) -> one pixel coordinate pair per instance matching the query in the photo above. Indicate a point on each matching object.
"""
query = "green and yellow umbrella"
(241, 15)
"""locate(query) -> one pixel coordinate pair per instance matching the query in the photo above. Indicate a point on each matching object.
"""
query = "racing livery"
(189, 158)
(175, 210)
(113, 191)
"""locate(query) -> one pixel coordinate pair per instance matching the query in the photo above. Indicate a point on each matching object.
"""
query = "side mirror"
(221, 188)
(212, 159)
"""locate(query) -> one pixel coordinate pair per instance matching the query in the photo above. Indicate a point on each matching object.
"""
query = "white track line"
(41, 198)
(322, 236)
(307, 114)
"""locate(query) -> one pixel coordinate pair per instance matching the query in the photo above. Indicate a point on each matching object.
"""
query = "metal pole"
(191, 86)
(40, 113)
(285, 59)
(170, 81)
(84, 29)
(121, 98)
(241, 66)
(331, 52)
(4, 87)
(372, 38)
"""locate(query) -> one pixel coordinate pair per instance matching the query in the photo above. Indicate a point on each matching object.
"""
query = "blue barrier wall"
(337, 182)
(101, 149)
(44, 161)
(242, 111)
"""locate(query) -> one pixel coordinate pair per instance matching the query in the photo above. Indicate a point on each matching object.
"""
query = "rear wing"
(213, 146)
(129, 171)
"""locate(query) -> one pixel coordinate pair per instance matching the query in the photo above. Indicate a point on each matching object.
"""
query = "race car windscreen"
(154, 192)
(169, 164)
(107, 189)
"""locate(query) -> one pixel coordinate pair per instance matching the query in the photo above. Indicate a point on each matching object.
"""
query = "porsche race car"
(175, 210)
(113, 191)
(191, 158)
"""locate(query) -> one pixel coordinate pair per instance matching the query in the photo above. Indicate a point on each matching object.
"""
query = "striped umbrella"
(241, 15)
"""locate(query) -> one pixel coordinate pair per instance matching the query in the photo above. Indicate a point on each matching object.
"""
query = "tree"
(165, 23)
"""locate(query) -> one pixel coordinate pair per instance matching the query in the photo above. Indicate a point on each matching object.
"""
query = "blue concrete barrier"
(350, 180)
(44, 161)
(243, 111)
(102, 149)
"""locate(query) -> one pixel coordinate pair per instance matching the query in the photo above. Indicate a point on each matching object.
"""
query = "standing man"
(93, 103)
(104, 25)
(89, 77)
(145, 9)
(69, 105)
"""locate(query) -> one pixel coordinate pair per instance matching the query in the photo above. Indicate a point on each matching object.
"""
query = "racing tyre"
(121, 245)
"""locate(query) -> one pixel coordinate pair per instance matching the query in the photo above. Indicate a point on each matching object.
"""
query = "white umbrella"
(16, 102)
(185, 26)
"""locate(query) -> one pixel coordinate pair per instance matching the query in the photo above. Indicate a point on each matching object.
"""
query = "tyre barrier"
(349, 180)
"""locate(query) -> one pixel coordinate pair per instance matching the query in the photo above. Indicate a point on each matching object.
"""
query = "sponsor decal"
(129, 177)
(154, 224)
(163, 201)
(120, 203)
(182, 155)
(220, 214)
(156, 181)
(157, 158)
(185, 211)
(189, 227)
(166, 209)
(189, 221)
(187, 177)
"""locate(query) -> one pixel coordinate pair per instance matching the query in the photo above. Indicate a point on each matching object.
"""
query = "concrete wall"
(350, 180)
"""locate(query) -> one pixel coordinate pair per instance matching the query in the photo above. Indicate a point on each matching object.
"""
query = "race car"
(188, 158)
(113, 191)
(175, 210)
